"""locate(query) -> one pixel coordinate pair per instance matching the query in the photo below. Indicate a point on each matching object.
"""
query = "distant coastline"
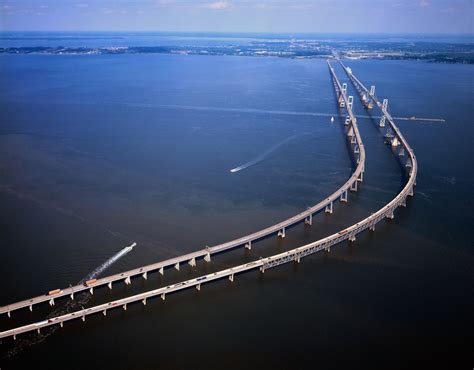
(446, 50)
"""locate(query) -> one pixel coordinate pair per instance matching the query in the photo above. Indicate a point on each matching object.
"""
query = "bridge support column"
(31, 308)
(72, 296)
(372, 90)
(350, 132)
(351, 101)
(38, 330)
(248, 245)
(344, 196)
(14, 336)
(390, 215)
(104, 312)
(51, 302)
(410, 192)
(110, 285)
(207, 257)
(328, 208)
(91, 290)
(352, 238)
(309, 220)
(8, 313)
(404, 202)
(347, 121)
(162, 271)
(192, 262)
(372, 227)
(297, 259)
(281, 233)
(61, 324)
(144, 301)
(83, 318)
(163, 296)
(353, 141)
(354, 186)
(356, 149)
(361, 176)
(382, 122)
(231, 277)
(262, 269)
(176, 266)
(125, 307)
(145, 275)
(401, 153)
(198, 287)
(127, 280)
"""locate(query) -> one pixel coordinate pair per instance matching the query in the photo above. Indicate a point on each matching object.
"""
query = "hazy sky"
(425, 16)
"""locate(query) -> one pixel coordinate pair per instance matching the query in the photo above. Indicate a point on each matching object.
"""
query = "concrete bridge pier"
(354, 186)
(352, 238)
(328, 208)
(372, 227)
(145, 275)
(309, 220)
(347, 121)
(91, 290)
(83, 318)
(163, 296)
(353, 140)
(281, 233)
(192, 262)
(38, 330)
(361, 177)
(207, 257)
(31, 308)
(51, 302)
(61, 324)
(127, 280)
(162, 271)
(356, 149)
(110, 285)
(390, 215)
(104, 312)
(72, 296)
(351, 101)
(8, 313)
(344, 196)
(297, 259)
(176, 266)
(198, 287)
(404, 202)
(231, 277)
(248, 245)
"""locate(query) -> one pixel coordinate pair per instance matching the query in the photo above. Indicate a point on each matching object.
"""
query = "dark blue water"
(98, 151)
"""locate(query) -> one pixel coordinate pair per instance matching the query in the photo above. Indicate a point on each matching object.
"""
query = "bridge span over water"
(265, 263)
(279, 229)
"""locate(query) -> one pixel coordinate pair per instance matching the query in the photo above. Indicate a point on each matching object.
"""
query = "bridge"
(296, 254)
(205, 254)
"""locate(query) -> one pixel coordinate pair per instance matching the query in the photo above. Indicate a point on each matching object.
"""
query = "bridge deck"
(207, 252)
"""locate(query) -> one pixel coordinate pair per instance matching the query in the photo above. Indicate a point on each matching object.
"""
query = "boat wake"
(265, 154)
(80, 300)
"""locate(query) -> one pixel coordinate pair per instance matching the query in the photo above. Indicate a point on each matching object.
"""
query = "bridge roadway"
(361, 87)
(279, 228)
(264, 263)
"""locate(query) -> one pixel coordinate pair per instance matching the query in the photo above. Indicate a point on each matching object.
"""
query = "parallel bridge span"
(246, 241)
(264, 263)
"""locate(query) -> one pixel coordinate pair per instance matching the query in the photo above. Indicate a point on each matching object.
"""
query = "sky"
(275, 16)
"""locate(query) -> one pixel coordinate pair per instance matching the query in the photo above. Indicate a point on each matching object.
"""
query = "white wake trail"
(265, 154)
